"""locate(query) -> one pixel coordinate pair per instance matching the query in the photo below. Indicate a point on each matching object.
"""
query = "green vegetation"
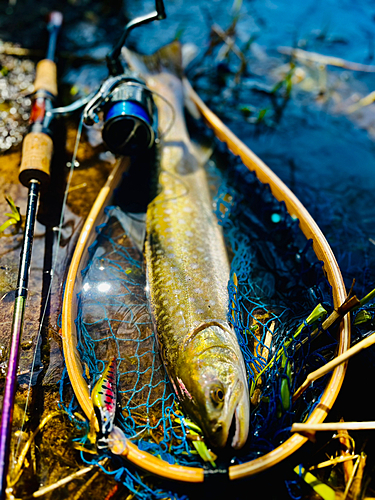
(14, 217)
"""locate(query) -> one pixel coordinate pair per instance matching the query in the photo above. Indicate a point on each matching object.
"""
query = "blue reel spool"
(129, 119)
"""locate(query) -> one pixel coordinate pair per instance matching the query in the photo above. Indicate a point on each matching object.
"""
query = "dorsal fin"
(168, 58)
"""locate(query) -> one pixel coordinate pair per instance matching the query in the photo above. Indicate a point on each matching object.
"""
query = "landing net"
(276, 282)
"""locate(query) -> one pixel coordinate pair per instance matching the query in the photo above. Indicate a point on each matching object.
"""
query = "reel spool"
(129, 115)
(129, 120)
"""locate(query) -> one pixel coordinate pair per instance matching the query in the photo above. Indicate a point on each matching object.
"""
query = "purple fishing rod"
(34, 173)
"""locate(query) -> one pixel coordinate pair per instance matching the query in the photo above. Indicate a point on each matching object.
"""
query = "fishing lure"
(104, 399)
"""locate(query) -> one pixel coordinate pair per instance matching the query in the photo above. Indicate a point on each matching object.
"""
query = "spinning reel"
(123, 101)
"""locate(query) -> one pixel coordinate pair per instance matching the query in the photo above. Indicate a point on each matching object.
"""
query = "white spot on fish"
(200, 311)
(168, 211)
(194, 266)
(167, 191)
(198, 290)
(187, 209)
(182, 320)
(205, 280)
(211, 302)
(189, 234)
(181, 221)
(171, 256)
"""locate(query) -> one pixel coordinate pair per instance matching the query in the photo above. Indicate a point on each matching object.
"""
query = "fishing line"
(173, 117)
(169, 104)
(59, 230)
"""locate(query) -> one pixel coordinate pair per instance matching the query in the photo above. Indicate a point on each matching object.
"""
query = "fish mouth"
(233, 433)
(239, 429)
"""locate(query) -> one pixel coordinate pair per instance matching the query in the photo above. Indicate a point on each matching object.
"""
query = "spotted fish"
(188, 272)
(104, 399)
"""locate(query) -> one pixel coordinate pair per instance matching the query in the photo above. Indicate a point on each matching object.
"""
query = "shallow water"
(323, 152)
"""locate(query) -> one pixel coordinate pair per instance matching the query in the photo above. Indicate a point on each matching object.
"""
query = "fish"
(187, 270)
(104, 399)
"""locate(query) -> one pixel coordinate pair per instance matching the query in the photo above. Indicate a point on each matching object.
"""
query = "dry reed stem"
(306, 56)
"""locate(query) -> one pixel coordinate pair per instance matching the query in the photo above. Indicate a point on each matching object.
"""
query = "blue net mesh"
(280, 282)
(114, 320)
(276, 281)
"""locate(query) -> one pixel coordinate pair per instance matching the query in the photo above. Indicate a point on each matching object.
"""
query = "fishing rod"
(129, 127)
(34, 174)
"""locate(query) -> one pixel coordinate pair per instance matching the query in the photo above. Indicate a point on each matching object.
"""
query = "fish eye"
(217, 395)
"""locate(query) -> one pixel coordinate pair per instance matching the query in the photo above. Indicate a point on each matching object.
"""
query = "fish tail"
(168, 58)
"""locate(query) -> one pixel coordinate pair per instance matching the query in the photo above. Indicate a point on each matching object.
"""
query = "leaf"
(6, 224)
(285, 394)
(362, 317)
(190, 425)
(325, 491)
(201, 447)
(206, 454)
(262, 114)
(15, 210)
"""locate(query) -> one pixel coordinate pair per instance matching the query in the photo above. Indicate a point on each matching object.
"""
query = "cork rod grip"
(46, 77)
(36, 159)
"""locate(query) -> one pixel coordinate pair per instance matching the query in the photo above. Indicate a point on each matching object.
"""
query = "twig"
(10, 50)
(304, 55)
(349, 483)
(80, 492)
(19, 51)
(16, 474)
(365, 101)
(347, 444)
(255, 398)
(228, 40)
(357, 482)
(363, 344)
(333, 426)
(62, 482)
(65, 480)
(334, 461)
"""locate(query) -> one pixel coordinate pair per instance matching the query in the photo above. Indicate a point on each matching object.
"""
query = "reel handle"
(160, 9)
(114, 64)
